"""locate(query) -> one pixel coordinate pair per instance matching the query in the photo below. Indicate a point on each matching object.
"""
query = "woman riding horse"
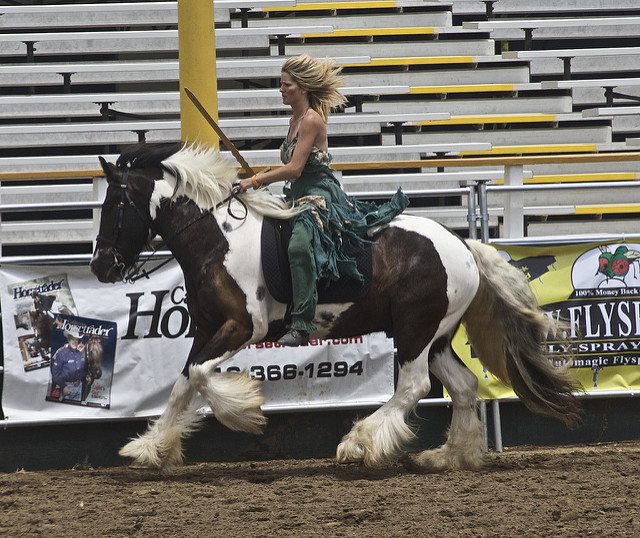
(425, 282)
(321, 235)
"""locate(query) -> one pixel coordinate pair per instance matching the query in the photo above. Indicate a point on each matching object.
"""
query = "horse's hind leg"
(161, 445)
(463, 448)
(381, 436)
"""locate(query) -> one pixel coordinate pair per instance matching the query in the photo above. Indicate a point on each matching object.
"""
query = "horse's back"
(431, 251)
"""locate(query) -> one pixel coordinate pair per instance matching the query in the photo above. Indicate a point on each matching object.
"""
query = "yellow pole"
(197, 54)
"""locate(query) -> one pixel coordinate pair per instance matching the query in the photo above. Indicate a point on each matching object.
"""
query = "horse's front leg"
(160, 447)
(234, 397)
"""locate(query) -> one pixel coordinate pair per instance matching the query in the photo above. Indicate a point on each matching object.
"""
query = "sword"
(225, 140)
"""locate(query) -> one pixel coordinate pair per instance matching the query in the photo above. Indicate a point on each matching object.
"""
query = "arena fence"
(477, 196)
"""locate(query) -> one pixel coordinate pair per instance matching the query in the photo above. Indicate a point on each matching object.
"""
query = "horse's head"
(41, 323)
(125, 221)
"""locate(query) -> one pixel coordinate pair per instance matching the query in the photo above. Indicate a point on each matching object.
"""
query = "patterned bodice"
(316, 156)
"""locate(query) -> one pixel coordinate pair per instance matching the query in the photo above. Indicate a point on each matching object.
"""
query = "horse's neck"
(193, 241)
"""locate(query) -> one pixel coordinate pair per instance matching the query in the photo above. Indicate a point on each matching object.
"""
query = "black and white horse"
(425, 281)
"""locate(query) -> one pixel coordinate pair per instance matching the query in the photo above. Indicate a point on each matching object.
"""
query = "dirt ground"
(559, 491)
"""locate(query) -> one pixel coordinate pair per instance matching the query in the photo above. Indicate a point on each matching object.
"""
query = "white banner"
(78, 349)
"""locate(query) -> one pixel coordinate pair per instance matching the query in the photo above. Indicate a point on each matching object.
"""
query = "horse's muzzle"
(106, 266)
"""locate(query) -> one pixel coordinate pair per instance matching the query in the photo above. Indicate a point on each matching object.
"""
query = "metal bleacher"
(88, 78)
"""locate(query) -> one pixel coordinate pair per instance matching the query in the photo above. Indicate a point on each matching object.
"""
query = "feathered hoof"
(350, 452)
(143, 455)
(356, 448)
(443, 459)
(146, 455)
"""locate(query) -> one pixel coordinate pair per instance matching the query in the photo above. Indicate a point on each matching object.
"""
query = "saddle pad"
(277, 273)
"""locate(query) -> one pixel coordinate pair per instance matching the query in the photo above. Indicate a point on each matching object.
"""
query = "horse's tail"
(508, 332)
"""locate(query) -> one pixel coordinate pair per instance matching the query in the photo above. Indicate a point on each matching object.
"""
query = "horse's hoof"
(349, 452)
(443, 459)
(414, 465)
(143, 454)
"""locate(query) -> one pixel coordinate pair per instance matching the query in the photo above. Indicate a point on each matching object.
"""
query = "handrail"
(513, 223)
(561, 158)
(498, 161)
(469, 191)
(48, 206)
(563, 186)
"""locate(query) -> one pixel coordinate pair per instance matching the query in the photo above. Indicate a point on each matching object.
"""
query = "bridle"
(130, 267)
(123, 257)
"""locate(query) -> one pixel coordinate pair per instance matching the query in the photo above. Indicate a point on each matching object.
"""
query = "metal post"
(513, 221)
(608, 95)
(197, 54)
(31, 48)
(30, 59)
(244, 17)
(472, 213)
(484, 211)
(497, 426)
(66, 82)
(483, 418)
(397, 129)
(282, 43)
(489, 8)
(566, 61)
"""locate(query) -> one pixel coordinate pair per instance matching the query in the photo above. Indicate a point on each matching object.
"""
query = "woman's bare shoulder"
(313, 117)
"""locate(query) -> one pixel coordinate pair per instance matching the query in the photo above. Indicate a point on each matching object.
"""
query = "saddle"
(274, 241)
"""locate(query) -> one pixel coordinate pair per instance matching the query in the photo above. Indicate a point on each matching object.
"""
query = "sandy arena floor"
(561, 491)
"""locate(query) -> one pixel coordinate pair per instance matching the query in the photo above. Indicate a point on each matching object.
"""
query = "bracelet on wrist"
(255, 182)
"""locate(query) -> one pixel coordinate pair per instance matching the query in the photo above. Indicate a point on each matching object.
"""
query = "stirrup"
(294, 338)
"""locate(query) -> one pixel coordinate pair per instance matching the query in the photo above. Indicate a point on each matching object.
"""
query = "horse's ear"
(110, 169)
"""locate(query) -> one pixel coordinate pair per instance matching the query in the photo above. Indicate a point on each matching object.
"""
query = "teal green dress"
(335, 221)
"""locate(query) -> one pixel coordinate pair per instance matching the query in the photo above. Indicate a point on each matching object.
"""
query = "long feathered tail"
(508, 331)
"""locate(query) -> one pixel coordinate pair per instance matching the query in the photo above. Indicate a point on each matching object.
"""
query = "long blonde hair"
(320, 79)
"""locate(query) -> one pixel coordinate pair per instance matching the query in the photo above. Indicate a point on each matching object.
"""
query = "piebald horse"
(425, 281)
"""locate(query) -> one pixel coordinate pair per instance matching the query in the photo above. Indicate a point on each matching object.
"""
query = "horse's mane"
(145, 155)
(202, 175)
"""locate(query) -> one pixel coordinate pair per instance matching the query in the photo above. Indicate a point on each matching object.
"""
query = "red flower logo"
(620, 267)
(603, 263)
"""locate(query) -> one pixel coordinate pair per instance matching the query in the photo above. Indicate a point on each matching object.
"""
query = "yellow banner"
(596, 288)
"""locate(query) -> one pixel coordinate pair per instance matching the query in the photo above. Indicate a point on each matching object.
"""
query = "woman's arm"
(311, 129)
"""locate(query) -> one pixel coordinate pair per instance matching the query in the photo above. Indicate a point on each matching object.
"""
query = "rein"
(137, 271)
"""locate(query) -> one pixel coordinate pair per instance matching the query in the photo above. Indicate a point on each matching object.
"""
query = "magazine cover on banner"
(595, 288)
(34, 304)
(83, 354)
(75, 348)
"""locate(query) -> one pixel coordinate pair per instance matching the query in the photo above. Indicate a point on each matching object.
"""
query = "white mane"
(207, 178)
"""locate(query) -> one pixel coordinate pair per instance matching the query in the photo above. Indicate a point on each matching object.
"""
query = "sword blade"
(225, 140)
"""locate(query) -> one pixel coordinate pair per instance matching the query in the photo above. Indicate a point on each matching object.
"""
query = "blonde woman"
(322, 235)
